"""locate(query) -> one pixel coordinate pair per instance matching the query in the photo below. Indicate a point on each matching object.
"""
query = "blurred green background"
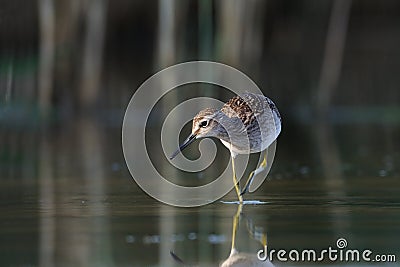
(69, 68)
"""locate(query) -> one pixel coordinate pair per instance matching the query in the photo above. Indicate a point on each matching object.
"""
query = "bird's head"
(204, 125)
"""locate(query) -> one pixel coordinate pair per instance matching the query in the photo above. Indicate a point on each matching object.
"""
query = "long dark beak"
(187, 142)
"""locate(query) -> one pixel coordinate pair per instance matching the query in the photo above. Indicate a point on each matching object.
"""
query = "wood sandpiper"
(246, 124)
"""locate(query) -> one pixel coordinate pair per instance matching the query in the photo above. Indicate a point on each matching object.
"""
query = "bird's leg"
(236, 182)
(260, 169)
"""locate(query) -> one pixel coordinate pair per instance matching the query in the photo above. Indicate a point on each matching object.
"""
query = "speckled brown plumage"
(248, 107)
(238, 107)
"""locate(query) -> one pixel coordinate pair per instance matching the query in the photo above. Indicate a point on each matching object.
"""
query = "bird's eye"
(203, 124)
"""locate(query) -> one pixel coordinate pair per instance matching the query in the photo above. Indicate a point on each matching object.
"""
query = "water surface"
(67, 199)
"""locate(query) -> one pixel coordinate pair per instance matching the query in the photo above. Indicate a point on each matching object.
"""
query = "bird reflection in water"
(236, 258)
(241, 259)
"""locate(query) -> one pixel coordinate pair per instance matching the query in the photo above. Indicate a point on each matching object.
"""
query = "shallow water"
(67, 199)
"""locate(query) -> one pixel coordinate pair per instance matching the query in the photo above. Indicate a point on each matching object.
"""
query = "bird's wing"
(239, 107)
